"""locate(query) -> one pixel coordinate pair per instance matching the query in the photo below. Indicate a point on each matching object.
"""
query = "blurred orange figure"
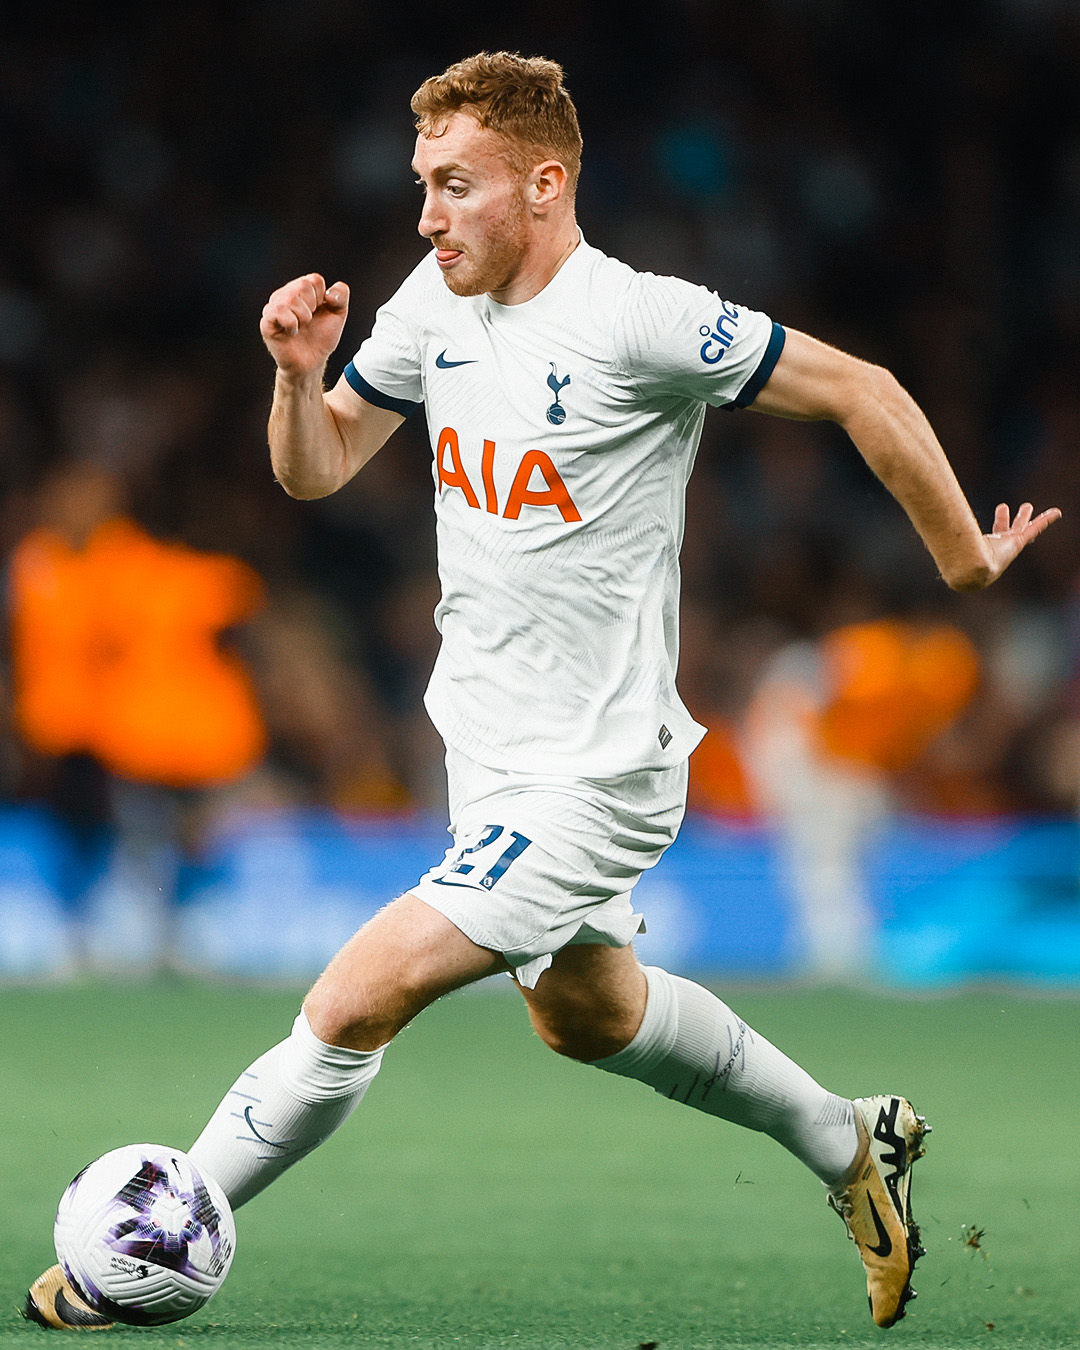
(719, 783)
(828, 725)
(115, 649)
(893, 688)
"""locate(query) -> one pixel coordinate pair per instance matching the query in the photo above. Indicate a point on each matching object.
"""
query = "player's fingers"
(288, 319)
(1023, 516)
(1045, 518)
(299, 286)
(298, 299)
(297, 303)
(318, 289)
(1002, 517)
(278, 321)
(337, 297)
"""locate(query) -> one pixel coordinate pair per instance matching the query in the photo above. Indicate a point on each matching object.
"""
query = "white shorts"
(542, 861)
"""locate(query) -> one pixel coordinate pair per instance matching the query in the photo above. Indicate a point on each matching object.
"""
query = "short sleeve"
(386, 371)
(681, 340)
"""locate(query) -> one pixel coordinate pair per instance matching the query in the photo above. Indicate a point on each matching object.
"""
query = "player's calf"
(281, 1108)
(589, 1004)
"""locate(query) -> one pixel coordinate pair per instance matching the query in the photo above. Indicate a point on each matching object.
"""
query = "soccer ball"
(144, 1236)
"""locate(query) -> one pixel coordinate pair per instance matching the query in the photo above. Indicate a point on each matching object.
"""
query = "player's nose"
(432, 220)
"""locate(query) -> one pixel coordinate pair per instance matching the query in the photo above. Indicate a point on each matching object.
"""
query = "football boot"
(874, 1200)
(52, 1302)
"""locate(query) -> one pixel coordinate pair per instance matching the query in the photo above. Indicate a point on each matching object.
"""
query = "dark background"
(902, 180)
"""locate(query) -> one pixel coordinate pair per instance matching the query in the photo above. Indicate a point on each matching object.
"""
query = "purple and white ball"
(143, 1236)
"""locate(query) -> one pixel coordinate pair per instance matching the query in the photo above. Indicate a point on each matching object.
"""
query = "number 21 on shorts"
(472, 857)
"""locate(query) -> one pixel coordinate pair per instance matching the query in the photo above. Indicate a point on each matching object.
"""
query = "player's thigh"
(407, 956)
(590, 1002)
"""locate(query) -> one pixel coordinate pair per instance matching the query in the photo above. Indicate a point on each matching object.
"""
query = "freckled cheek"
(473, 230)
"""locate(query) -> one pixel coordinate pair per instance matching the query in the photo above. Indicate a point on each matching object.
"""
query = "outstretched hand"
(302, 322)
(1010, 537)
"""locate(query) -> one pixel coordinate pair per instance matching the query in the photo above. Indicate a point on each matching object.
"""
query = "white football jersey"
(564, 430)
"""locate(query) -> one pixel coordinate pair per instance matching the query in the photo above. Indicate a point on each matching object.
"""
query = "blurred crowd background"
(184, 641)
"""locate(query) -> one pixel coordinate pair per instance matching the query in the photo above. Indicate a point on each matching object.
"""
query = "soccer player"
(564, 394)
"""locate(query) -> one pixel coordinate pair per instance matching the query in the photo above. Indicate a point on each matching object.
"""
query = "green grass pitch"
(488, 1194)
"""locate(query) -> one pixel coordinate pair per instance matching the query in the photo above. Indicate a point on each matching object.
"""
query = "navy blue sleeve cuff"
(756, 383)
(372, 395)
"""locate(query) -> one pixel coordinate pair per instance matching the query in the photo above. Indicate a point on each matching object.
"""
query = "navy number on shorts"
(490, 834)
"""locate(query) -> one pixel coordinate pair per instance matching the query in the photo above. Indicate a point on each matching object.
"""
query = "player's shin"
(286, 1104)
(693, 1049)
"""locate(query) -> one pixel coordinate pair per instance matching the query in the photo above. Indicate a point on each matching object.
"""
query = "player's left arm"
(815, 382)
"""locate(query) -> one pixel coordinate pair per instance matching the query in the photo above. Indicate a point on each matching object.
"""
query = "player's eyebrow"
(443, 170)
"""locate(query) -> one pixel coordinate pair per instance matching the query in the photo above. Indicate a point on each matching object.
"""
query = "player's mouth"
(446, 257)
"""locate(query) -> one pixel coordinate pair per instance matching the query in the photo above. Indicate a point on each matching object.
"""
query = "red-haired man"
(565, 394)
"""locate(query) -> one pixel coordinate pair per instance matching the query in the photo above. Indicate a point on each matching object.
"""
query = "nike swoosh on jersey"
(884, 1247)
(444, 364)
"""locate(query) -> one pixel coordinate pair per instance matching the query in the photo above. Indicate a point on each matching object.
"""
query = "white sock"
(694, 1049)
(285, 1105)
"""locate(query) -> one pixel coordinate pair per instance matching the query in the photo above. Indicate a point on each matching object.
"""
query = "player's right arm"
(318, 439)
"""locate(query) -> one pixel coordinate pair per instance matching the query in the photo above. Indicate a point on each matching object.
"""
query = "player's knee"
(339, 1020)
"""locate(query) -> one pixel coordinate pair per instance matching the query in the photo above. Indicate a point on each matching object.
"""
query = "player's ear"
(547, 185)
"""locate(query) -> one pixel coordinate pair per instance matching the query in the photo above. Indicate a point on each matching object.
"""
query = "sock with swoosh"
(693, 1049)
(286, 1104)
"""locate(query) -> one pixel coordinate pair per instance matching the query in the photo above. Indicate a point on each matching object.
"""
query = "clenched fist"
(302, 321)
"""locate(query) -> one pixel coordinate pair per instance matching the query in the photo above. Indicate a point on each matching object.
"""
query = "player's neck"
(540, 265)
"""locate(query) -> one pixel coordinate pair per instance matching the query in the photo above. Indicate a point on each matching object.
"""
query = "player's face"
(475, 212)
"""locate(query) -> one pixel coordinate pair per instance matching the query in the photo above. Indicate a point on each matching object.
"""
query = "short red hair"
(523, 98)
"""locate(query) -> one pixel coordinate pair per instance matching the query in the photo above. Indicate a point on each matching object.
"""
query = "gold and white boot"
(874, 1200)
